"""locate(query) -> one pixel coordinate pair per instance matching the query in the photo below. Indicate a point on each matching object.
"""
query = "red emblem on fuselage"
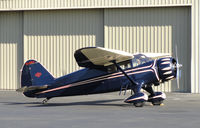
(38, 74)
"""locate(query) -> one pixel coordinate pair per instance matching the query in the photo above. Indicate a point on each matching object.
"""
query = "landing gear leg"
(135, 88)
(46, 100)
(150, 90)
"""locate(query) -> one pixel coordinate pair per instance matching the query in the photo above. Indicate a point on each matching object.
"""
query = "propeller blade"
(177, 79)
(178, 66)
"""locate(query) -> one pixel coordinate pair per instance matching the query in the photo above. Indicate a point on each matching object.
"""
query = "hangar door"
(11, 51)
(51, 37)
(156, 30)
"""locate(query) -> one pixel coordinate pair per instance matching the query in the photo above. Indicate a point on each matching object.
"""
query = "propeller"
(178, 71)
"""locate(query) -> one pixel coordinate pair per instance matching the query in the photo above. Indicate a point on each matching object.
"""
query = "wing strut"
(133, 82)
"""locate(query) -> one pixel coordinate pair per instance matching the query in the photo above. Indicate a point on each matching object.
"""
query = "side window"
(135, 62)
(123, 65)
(111, 68)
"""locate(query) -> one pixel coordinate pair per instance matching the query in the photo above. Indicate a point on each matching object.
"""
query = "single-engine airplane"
(105, 70)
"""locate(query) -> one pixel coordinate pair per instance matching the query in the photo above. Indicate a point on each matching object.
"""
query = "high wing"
(155, 55)
(97, 56)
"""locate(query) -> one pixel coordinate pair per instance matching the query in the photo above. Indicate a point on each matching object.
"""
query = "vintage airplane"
(105, 70)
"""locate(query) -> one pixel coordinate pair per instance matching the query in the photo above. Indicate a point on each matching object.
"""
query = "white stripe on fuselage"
(105, 77)
(155, 71)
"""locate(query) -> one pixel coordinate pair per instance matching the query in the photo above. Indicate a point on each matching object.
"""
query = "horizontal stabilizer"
(31, 88)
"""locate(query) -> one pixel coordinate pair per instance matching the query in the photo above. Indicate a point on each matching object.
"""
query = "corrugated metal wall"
(61, 4)
(10, 49)
(152, 30)
(11, 5)
(195, 63)
(51, 37)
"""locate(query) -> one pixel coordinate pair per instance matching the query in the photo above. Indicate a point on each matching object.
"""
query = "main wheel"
(139, 104)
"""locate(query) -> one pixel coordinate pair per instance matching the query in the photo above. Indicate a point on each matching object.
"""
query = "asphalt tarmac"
(181, 110)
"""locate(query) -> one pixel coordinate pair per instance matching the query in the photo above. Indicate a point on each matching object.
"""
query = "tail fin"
(34, 74)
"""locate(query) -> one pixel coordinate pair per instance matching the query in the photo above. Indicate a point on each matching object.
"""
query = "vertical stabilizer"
(34, 74)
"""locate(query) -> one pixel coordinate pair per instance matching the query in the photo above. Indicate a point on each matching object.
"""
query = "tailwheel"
(138, 104)
(45, 101)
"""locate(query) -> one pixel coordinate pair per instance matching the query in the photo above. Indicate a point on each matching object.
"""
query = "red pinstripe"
(110, 76)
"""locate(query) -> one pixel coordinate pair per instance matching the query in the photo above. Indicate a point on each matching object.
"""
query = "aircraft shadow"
(112, 102)
(87, 103)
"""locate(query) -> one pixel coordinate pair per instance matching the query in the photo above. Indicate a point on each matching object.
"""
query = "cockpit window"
(135, 62)
(140, 59)
(111, 68)
(124, 65)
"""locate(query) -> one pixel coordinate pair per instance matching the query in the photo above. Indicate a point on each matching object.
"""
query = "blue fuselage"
(93, 81)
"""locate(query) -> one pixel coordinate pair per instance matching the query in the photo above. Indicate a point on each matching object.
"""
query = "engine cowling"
(167, 68)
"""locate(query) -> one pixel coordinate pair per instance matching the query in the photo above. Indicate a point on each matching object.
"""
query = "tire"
(139, 104)
(157, 103)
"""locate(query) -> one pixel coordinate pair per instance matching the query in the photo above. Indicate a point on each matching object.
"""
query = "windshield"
(140, 59)
(137, 60)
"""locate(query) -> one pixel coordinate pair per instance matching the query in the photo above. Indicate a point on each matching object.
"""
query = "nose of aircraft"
(176, 66)
(168, 68)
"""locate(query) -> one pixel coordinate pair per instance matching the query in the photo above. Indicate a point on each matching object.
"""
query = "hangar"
(51, 30)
